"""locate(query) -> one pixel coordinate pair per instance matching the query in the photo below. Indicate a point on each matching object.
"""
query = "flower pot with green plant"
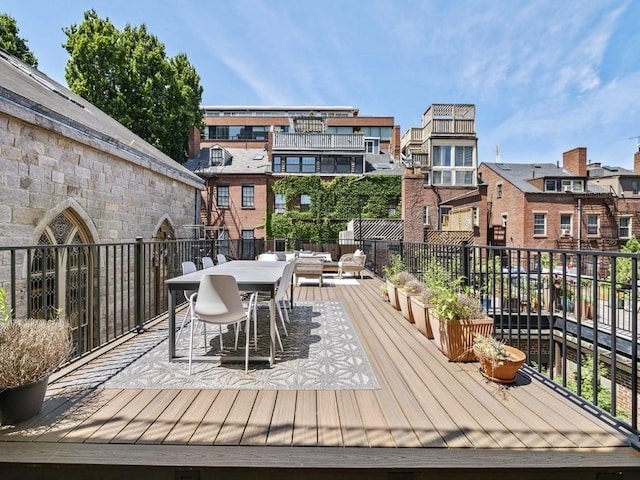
(498, 362)
(30, 350)
(395, 283)
(410, 289)
(420, 306)
(457, 315)
(391, 272)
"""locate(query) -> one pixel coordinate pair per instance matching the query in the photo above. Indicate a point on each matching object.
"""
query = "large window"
(464, 157)
(539, 223)
(453, 165)
(593, 224)
(441, 177)
(238, 132)
(280, 203)
(624, 227)
(441, 156)
(222, 198)
(248, 196)
(566, 220)
(300, 164)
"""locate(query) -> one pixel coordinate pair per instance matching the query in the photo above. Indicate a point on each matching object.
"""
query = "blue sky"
(545, 75)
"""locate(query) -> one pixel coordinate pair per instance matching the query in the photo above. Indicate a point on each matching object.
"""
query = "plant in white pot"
(30, 350)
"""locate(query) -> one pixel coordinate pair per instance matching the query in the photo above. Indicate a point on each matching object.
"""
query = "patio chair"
(207, 262)
(267, 257)
(187, 267)
(218, 301)
(220, 258)
(309, 267)
(352, 263)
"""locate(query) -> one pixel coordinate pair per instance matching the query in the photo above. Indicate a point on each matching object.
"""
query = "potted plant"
(394, 284)
(30, 350)
(456, 316)
(391, 272)
(586, 303)
(420, 306)
(410, 289)
(384, 291)
(498, 362)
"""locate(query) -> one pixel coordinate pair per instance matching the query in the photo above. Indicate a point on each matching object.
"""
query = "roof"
(382, 163)
(606, 171)
(518, 174)
(30, 95)
(244, 161)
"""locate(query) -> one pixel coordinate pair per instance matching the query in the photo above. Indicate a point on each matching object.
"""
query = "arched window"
(60, 276)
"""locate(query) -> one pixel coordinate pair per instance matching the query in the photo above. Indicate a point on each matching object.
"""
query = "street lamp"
(362, 200)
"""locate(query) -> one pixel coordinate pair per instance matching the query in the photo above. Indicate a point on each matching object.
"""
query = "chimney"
(194, 142)
(636, 163)
(575, 161)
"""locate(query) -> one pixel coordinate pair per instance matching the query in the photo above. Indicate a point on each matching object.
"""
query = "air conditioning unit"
(565, 231)
(566, 189)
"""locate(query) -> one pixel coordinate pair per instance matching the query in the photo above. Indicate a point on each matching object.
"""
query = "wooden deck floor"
(428, 415)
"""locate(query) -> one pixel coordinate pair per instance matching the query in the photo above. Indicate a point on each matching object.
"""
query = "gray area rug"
(321, 352)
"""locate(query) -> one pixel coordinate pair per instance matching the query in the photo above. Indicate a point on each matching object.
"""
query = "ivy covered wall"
(333, 204)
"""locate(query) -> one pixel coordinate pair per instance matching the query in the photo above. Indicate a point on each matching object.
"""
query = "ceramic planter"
(454, 338)
(393, 295)
(504, 371)
(404, 303)
(21, 403)
(420, 313)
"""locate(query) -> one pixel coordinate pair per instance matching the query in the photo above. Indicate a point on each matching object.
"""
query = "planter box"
(404, 303)
(420, 313)
(393, 295)
(454, 338)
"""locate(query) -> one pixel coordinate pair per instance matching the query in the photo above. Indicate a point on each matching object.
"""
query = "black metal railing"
(575, 313)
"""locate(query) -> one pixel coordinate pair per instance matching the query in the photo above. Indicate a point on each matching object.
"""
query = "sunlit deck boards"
(443, 414)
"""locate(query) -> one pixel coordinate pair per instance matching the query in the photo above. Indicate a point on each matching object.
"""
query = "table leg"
(172, 325)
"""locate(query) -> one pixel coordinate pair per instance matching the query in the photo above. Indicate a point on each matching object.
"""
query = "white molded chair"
(267, 257)
(187, 267)
(281, 292)
(207, 262)
(220, 258)
(218, 301)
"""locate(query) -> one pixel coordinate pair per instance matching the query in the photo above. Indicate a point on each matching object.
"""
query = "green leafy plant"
(395, 266)
(5, 311)
(401, 278)
(491, 348)
(414, 286)
(458, 305)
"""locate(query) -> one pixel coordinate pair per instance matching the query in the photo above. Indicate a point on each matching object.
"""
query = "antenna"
(637, 139)
(498, 153)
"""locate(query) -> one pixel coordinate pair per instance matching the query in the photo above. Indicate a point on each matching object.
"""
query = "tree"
(12, 43)
(128, 75)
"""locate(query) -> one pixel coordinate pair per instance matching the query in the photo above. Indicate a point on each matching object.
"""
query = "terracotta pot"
(404, 303)
(454, 338)
(420, 313)
(393, 295)
(21, 403)
(504, 371)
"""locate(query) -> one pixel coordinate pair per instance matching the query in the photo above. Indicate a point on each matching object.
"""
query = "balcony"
(317, 142)
(449, 120)
(425, 415)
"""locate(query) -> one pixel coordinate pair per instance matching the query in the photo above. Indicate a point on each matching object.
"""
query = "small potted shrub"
(391, 271)
(410, 289)
(395, 283)
(420, 305)
(30, 350)
(455, 317)
(498, 362)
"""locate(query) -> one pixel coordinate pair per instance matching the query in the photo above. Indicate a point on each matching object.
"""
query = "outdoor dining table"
(251, 276)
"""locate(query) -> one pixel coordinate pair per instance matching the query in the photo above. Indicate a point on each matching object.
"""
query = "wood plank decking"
(429, 415)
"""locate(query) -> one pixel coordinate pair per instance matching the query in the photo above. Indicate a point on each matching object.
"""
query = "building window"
(222, 198)
(476, 216)
(293, 165)
(247, 234)
(624, 227)
(248, 196)
(539, 223)
(504, 220)
(593, 224)
(372, 145)
(308, 164)
(550, 185)
(464, 156)
(425, 215)
(635, 187)
(305, 202)
(566, 220)
(441, 177)
(572, 186)
(499, 190)
(276, 164)
(464, 177)
(444, 215)
(280, 203)
(336, 165)
(442, 156)
(392, 206)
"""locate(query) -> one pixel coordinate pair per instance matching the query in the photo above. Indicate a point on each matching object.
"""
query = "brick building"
(545, 205)
(442, 161)
(244, 149)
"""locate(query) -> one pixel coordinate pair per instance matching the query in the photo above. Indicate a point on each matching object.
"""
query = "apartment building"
(441, 157)
(244, 149)
(575, 205)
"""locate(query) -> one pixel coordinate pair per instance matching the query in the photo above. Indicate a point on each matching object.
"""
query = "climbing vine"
(333, 204)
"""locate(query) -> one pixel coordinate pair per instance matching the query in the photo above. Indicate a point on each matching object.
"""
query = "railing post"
(138, 285)
(464, 263)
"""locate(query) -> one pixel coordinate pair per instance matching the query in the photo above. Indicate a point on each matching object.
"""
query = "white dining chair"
(279, 300)
(187, 267)
(220, 258)
(218, 302)
(267, 257)
(207, 262)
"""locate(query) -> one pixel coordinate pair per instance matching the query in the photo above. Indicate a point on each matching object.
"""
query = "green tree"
(623, 265)
(12, 43)
(128, 75)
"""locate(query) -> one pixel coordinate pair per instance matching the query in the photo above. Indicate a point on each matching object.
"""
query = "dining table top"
(249, 274)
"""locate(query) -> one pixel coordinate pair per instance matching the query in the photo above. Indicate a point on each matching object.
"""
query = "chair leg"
(184, 321)
(284, 327)
(191, 344)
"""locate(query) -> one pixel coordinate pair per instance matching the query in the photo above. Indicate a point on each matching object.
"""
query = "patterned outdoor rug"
(321, 352)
